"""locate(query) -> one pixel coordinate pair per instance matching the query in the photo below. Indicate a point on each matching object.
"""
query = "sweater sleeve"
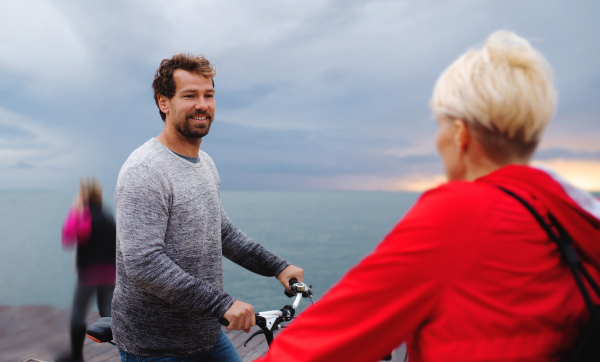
(391, 293)
(242, 250)
(143, 200)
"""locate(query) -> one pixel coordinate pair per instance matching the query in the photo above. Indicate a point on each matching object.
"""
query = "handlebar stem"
(297, 301)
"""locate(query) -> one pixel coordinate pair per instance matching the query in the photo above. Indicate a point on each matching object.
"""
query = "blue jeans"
(222, 352)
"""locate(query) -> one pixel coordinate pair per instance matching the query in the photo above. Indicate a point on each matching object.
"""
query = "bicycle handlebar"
(300, 290)
(268, 321)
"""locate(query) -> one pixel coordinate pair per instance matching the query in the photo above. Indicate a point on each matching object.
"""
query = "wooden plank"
(256, 347)
(254, 343)
(99, 352)
(43, 332)
(33, 331)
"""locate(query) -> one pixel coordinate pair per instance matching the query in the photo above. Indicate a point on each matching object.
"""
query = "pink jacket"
(77, 227)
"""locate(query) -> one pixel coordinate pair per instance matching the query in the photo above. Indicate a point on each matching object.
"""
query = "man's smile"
(201, 118)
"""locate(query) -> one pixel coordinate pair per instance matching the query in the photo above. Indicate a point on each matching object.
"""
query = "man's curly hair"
(164, 83)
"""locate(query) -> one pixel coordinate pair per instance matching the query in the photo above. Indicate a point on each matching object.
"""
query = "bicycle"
(268, 321)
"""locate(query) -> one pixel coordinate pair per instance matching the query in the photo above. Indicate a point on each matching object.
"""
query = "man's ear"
(163, 103)
(462, 136)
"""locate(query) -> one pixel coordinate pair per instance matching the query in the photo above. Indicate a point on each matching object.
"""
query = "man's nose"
(201, 104)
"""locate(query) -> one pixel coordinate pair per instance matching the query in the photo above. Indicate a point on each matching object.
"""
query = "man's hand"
(288, 273)
(240, 316)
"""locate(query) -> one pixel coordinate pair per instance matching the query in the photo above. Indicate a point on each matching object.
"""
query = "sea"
(325, 233)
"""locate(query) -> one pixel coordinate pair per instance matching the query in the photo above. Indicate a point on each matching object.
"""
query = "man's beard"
(187, 130)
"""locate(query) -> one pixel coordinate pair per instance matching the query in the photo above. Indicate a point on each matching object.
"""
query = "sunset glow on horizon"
(584, 174)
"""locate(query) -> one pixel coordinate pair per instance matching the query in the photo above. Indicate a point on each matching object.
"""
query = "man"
(172, 231)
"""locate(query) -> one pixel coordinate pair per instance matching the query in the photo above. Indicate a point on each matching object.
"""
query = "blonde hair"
(503, 91)
(92, 189)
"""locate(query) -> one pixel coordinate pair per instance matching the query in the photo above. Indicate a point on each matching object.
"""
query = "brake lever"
(253, 335)
(268, 335)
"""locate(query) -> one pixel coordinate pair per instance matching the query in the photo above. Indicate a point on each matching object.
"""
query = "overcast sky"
(311, 95)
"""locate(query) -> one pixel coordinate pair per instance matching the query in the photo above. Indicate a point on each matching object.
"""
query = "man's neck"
(179, 144)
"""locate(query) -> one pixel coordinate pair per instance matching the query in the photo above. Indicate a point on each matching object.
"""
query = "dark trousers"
(81, 302)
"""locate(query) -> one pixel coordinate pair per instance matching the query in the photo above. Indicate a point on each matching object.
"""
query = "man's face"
(192, 109)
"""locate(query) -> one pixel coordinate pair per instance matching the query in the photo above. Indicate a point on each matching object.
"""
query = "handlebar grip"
(224, 321)
(288, 293)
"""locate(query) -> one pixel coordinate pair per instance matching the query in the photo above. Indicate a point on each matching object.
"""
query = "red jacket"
(467, 275)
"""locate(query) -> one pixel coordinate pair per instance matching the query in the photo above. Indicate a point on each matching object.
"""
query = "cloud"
(565, 153)
(343, 182)
(39, 44)
(307, 93)
(576, 132)
(32, 154)
(241, 148)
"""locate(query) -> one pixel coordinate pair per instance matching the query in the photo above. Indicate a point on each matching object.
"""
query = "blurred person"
(468, 274)
(172, 232)
(92, 231)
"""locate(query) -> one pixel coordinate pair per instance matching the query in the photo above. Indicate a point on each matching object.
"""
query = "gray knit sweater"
(171, 234)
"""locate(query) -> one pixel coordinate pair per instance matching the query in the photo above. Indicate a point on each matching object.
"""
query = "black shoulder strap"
(587, 347)
(565, 246)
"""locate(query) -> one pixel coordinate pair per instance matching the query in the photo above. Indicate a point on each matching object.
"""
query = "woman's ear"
(462, 136)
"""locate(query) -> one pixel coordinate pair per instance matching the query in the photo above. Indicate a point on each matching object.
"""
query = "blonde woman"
(468, 274)
(92, 232)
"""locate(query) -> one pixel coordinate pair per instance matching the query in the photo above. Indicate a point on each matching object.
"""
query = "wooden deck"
(42, 333)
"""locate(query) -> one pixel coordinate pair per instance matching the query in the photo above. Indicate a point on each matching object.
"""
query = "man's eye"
(189, 96)
(210, 96)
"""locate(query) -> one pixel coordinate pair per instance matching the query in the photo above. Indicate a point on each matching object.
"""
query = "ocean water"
(325, 233)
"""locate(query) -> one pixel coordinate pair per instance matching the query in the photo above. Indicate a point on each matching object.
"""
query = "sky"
(311, 95)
